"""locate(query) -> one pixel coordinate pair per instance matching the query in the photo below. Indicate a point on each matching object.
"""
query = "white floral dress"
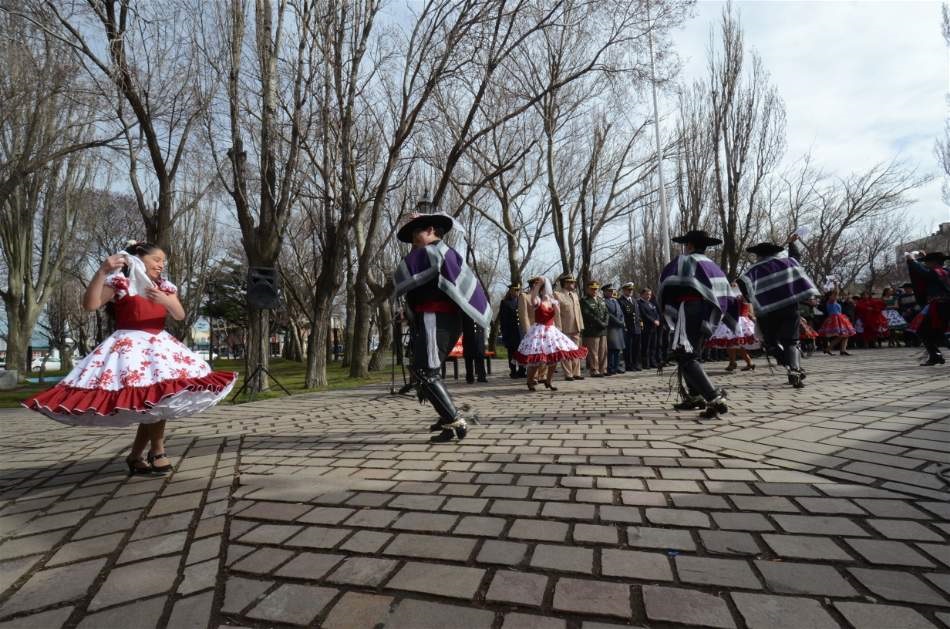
(140, 374)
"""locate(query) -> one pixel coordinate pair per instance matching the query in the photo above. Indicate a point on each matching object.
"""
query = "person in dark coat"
(473, 350)
(633, 328)
(616, 330)
(594, 313)
(510, 326)
(650, 317)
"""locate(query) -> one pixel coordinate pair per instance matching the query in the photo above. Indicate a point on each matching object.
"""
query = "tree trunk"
(258, 348)
(350, 321)
(384, 322)
(359, 357)
(319, 337)
(21, 320)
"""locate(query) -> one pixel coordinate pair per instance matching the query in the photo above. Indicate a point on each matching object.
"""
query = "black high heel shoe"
(134, 469)
(158, 469)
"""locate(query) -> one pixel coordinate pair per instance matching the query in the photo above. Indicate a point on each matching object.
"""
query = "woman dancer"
(140, 374)
(544, 344)
(837, 327)
(896, 324)
(870, 313)
(740, 341)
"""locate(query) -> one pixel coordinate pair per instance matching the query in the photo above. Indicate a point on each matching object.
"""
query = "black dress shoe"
(689, 405)
(482, 379)
(578, 377)
(569, 379)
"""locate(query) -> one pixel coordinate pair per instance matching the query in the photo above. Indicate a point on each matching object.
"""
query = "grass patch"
(290, 373)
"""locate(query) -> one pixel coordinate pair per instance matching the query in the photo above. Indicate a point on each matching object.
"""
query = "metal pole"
(664, 212)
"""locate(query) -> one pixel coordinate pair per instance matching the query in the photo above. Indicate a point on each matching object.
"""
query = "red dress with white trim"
(140, 374)
(744, 334)
(544, 343)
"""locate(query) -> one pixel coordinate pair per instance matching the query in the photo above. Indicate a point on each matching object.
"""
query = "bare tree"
(694, 156)
(143, 57)
(747, 135)
(845, 207)
(269, 117)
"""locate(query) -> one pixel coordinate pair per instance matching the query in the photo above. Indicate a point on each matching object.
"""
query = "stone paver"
(592, 507)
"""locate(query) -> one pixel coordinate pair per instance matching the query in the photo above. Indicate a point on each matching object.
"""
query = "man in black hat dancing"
(775, 286)
(439, 287)
(694, 296)
(931, 283)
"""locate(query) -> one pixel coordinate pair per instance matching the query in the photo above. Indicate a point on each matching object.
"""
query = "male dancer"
(932, 288)
(775, 286)
(439, 287)
(695, 296)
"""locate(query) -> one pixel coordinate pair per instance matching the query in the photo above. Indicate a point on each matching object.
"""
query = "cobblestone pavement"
(590, 507)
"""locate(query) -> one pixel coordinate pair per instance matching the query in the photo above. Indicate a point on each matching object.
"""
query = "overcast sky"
(863, 82)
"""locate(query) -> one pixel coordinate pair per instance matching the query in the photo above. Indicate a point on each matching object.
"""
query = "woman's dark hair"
(141, 248)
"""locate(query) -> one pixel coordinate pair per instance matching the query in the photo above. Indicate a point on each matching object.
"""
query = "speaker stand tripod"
(250, 378)
(254, 373)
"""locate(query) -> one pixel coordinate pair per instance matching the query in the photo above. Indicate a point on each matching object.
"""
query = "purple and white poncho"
(697, 274)
(776, 282)
(456, 279)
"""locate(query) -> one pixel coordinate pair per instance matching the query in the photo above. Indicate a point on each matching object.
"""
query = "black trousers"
(780, 336)
(631, 353)
(434, 334)
(473, 350)
(694, 377)
(648, 345)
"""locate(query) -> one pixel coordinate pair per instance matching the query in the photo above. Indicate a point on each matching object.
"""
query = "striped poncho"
(775, 282)
(697, 274)
(455, 279)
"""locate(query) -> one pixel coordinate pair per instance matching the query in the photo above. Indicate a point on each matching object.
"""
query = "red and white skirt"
(805, 331)
(744, 336)
(547, 345)
(837, 325)
(134, 377)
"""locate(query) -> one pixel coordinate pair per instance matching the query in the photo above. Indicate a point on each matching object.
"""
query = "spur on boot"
(715, 408)
(457, 429)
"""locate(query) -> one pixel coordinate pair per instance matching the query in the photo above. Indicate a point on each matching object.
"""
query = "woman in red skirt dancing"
(544, 343)
(140, 374)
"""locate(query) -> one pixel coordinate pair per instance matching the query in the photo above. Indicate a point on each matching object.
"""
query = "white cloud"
(863, 82)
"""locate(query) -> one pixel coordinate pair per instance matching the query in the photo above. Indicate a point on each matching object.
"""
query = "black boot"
(457, 430)
(936, 358)
(450, 421)
(715, 407)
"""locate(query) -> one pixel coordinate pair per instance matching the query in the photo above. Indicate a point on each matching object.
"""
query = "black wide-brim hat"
(698, 238)
(765, 249)
(422, 221)
(934, 256)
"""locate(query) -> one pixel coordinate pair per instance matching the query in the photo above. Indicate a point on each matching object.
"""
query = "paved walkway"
(591, 507)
